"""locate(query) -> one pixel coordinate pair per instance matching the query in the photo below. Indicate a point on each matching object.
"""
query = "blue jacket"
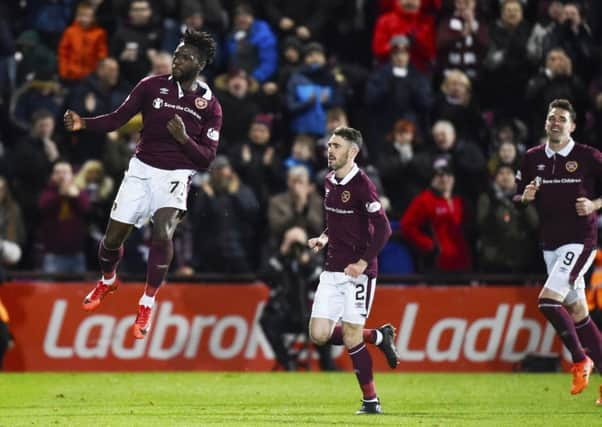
(309, 115)
(257, 52)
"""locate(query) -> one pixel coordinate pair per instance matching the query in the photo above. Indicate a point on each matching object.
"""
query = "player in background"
(182, 120)
(560, 178)
(357, 228)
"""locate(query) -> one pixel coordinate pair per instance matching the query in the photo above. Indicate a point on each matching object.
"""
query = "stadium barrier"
(215, 327)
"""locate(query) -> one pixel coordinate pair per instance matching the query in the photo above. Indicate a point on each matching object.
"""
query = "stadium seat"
(395, 258)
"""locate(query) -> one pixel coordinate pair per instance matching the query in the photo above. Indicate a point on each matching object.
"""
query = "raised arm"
(111, 121)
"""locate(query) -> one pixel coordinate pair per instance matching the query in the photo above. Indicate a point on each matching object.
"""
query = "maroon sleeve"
(49, 199)
(377, 217)
(202, 150)
(111, 121)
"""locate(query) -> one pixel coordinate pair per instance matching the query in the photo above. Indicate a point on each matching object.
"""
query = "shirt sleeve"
(201, 150)
(130, 107)
(373, 209)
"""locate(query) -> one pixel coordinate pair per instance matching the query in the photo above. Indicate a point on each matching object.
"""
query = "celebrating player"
(182, 120)
(560, 178)
(357, 229)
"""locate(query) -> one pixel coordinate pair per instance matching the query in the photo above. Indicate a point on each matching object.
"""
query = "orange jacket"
(80, 50)
(594, 293)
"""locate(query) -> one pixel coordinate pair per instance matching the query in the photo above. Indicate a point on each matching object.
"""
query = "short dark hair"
(354, 136)
(563, 104)
(203, 42)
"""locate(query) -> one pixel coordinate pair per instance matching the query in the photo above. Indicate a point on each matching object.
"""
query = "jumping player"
(357, 229)
(560, 178)
(182, 121)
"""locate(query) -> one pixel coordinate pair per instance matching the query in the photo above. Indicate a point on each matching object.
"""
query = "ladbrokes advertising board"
(215, 327)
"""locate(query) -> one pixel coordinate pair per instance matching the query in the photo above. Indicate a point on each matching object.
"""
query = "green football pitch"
(293, 399)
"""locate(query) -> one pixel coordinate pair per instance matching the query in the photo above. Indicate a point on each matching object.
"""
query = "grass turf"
(296, 399)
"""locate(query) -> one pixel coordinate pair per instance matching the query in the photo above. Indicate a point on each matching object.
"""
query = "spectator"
(82, 45)
(257, 162)
(49, 19)
(120, 146)
(224, 213)
(43, 93)
(398, 168)
(574, 36)
(507, 63)
(409, 20)
(32, 161)
(251, 45)
(462, 41)
(396, 91)
(335, 117)
(542, 28)
(463, 156)
(305, 20)
(136, 42)
(302, 154)
(506, 228)
(293, 216)
(444, 247)
(7, 54)
(290, 60)
(161, 63)
(299, 207)
(239, 106)
(311, 91)
(99, 93)
(556, 80)
(455, 103)
(63, 208)
(92, 180)
(35, 60)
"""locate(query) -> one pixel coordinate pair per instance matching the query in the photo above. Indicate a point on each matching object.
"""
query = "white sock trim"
(109, 281)
(147, 301)
(379, 337)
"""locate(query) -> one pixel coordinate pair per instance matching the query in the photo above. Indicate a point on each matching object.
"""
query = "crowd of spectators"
(448, 94)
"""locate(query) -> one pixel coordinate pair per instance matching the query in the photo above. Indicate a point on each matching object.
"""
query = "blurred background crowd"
(448, 94)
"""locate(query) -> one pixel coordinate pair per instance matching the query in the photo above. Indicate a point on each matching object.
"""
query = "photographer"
(292, 269)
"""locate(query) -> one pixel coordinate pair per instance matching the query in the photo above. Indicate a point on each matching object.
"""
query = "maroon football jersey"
(357, 225)
(159, 98)
(563, 177)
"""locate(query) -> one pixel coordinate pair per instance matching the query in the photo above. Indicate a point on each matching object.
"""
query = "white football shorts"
(342, 297)
(566, 266)
(145, 189)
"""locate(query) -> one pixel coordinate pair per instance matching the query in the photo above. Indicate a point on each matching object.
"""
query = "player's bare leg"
(165, 221)
(550, 304)
(383, 337)
(110, 251)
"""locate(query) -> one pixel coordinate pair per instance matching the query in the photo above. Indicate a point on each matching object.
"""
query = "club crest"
(571, 166)
(345, 196)
(200, 103)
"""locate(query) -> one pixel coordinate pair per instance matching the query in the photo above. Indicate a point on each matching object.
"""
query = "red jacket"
(80, 50)
(418, 26)
(444, 218)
